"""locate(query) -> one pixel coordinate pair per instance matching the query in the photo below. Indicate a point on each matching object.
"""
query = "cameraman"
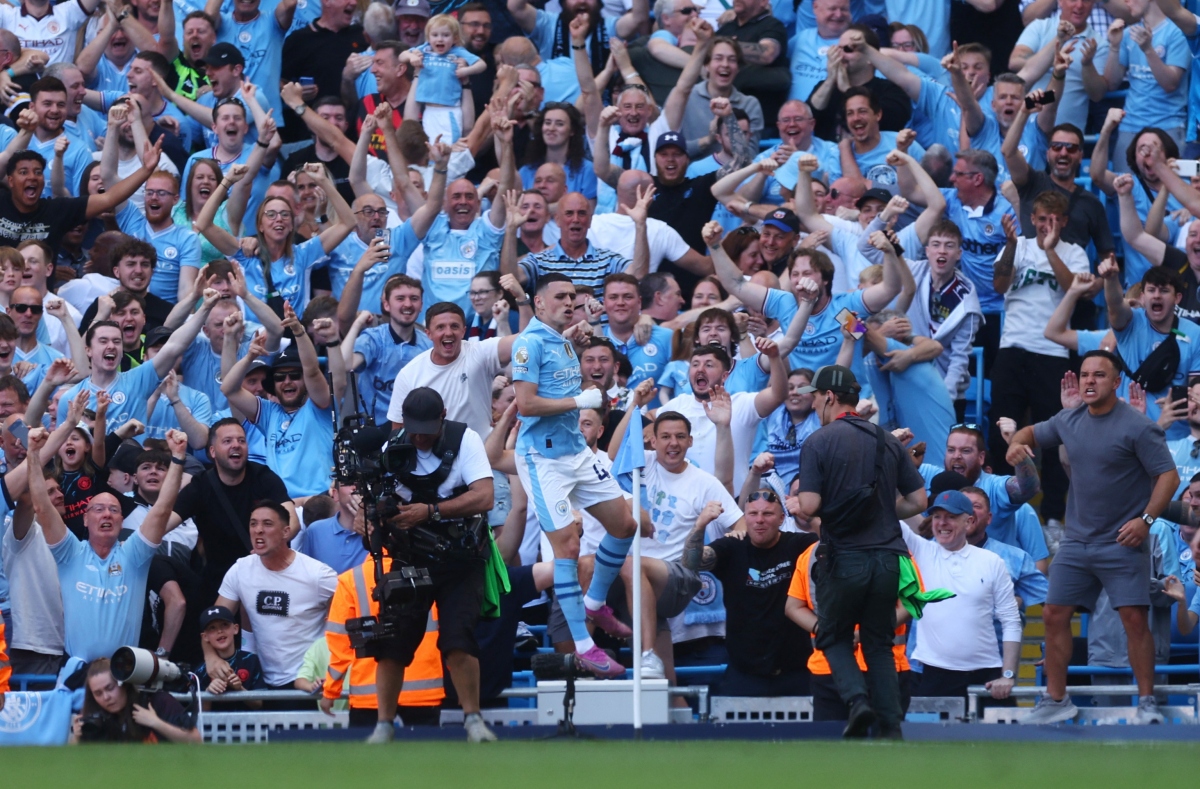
(112, 713)
(448, 481)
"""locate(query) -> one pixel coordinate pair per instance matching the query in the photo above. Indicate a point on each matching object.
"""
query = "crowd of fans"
(226, 226)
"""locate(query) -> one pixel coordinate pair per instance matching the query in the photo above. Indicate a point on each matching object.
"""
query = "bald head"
(516, 51)
(628, 185)
(551, 180)
(574, 218)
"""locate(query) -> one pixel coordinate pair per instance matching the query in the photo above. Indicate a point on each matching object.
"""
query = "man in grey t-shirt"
(1122, 478)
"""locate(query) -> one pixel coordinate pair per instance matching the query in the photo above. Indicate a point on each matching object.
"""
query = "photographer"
(113, 712)
(448, 481)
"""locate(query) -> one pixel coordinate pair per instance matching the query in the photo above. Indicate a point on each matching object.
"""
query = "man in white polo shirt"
(956, 641)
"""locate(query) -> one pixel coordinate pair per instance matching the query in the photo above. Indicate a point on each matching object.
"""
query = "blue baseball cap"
(671, 138)
(953, 502)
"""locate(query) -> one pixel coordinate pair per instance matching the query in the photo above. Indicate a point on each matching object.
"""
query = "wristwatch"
(436, 517)
(299, 110)
(1008, 674)
(1148, 518)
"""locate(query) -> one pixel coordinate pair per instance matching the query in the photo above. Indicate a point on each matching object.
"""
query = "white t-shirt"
(616, 233)
(54, 33)
(958, 634)
(676, 501)
(37, 609)
(465, 384)
(287, 609)
(704, 433)
(470, 466)
(185, 534)
(1034, 295)
(128, 167)
(80, 293)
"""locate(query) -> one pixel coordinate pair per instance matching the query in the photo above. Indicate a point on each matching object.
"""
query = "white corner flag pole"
(637, 602)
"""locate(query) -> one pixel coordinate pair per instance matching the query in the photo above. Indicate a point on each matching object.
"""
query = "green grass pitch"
(611, 765)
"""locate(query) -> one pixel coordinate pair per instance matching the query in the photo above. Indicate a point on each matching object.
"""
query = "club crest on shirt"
(114, 569)
(989, 228)
(244, 37)
(562, 507)
(170, 253)
(650, 350)
(467, 247)
(118, 398)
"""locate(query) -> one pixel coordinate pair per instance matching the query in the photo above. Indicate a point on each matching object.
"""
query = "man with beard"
(550, 31)
(707, 372)
(199, 34)
(476, 22)
(965, 455)
(177, 246)
(1087, 221)
(220, 500)
(379, 353)
(129, 391)
(299, 427)
(133, 268)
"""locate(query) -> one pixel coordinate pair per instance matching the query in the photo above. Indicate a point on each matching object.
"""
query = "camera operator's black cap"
(223, 54)
(832, 378)
(423, 411)
(946, 480)
(218, 613)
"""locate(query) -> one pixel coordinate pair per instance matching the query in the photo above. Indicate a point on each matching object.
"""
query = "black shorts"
(458, 591)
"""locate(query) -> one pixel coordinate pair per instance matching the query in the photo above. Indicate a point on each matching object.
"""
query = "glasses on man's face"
(963, 173)
(687, 11)
(371, 213)
(1069, 147)
(904, 46)
(274, 214)
(477, 24)
(478, 294)
(763, 495)
(288, 375)
(833, 193)
(36, 309)
(102, 508)
(159, 193)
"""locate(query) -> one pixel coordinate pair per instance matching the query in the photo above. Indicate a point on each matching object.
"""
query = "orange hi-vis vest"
(422, 679)
(802, 589)
(5, 666)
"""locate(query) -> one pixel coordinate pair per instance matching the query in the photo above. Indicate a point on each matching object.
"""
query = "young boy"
(218, 628)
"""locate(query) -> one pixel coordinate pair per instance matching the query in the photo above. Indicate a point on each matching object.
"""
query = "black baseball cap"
(157, 336)
(947, 480)
(125, 458)
(784, 220)
(287, 359)
(882, 195)
(671, 138)
(218, 613)
(423, 411)
(832, 378)
(223, 54)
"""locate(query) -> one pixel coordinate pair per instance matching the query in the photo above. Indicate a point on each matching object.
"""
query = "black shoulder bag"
(1157, 370)
(856, 508)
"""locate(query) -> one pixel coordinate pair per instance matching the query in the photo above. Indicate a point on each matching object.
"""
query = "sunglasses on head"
(36, 309)
(288, 375)
(1069, 147)
(763, 495)
(966, 426)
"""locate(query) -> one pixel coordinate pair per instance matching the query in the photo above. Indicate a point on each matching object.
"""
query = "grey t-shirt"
(1114, 460)
(841, 457)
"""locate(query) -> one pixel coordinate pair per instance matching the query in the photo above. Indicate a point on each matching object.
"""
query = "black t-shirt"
(686, 206)
(752, 79)
(338, 168)
(320, 53)
(839, 458)
(760, 639)
(1087, 220)
(225, 542)
(48, 222)
(164, 570)
(483, 82)
(157, 311)
(895, 103)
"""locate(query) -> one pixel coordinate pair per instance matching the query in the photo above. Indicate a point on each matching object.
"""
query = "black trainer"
(861, 717)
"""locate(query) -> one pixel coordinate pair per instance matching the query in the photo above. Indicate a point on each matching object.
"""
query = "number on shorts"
(601, 474)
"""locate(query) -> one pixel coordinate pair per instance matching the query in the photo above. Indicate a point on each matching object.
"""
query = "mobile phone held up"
(1047, 98)
(850, 322)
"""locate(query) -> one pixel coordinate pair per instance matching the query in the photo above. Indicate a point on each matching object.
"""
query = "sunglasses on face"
(288, 375)
(687, 11)
(1069, 147)
(36, 309)
(763, 495)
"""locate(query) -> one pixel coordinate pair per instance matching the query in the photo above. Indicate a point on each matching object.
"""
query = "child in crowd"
(443, 65)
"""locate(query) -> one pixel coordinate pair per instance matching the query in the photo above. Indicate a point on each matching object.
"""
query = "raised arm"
(336, 233)
(1002, 271)
(773, 396)
(502, 133)
(894, 71)
(181, 338)
(508, 250)
(322, 129)
(972, 113)
(16, 481)
(677, 100)
(240, 398)
(377, 254)
(325, 332)
(1058, 328)
(806, 207)
(524, 14)
(1132, 230)
(310, 363)
(639, 212)
(753, 295)
(195, 430)
(589, 102)
(877, 297)
(123, 190)
(1119, 311)
(154, 527)
(53, 528)
(89, 57)
(606, 171)
(422, 218)
(1101, 175)
(1114, 71)
(58, 309)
